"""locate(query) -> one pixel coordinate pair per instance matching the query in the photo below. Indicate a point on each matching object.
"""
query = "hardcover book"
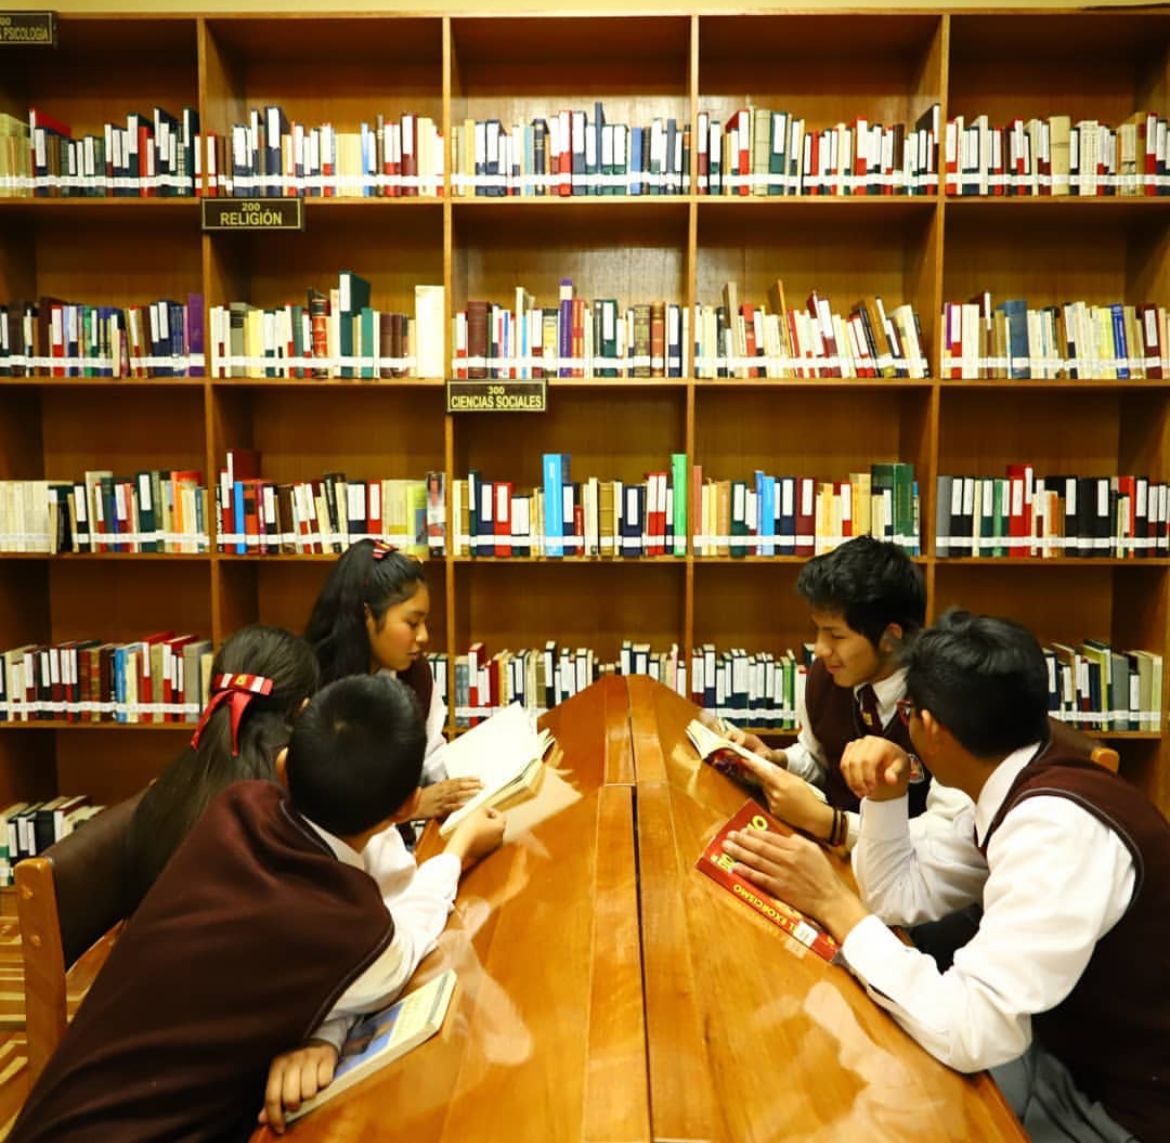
(718, 866)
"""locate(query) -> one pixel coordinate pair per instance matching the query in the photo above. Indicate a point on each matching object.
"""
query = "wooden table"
(609, 992)
(749, 1035)
(545, 1039)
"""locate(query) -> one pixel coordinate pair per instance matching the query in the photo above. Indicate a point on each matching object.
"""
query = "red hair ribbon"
(382, 549)
(236, 691)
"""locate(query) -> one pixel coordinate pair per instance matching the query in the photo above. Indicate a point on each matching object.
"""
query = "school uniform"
(831, 717)
(419, 679)
(1072, 867)
(252, 933)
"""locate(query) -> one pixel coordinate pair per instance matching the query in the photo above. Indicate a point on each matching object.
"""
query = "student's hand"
(791, 799)
(795, 870)
(443, 798)
(477, 835)
(758, 746)
(294, 1077)
(876, 768)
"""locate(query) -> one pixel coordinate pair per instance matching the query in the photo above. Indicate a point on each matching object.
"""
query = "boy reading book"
(264, 921)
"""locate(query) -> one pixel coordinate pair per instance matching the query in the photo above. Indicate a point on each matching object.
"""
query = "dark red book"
(718, 866)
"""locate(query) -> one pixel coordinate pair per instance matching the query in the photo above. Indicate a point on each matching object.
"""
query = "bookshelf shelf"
(184, 728)
(828, 66)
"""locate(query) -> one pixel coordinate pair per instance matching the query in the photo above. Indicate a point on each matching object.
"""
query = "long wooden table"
(609, 992)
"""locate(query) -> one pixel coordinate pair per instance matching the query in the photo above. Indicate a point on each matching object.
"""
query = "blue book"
(766, 504)
(555, 469)
(238, 512)
(636, 160)
(1016, 313)
(1120, 342)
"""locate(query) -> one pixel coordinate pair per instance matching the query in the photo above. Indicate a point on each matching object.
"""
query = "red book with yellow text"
(718, 866)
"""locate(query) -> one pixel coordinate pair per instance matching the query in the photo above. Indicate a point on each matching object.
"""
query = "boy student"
(262, 923)
(866, 600)
(1068, 974)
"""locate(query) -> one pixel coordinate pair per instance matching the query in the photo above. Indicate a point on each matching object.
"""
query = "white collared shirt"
(1055, 880)
(436, 722)
(418, 899)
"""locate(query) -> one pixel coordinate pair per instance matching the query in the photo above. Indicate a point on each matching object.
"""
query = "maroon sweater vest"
(243, 945)
(1113, 1030)
(420, 680)
(832, 717)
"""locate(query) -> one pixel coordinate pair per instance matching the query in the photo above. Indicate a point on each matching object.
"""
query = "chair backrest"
(1106, 756)
(1079, 743)
(67, 898)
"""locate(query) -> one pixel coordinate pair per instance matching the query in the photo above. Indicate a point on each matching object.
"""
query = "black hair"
(337, 627)
(356, 753)
(871, 582)
(174, 803)
(984, 679)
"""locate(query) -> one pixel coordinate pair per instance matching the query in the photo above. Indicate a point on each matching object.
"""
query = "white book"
(382, 1037)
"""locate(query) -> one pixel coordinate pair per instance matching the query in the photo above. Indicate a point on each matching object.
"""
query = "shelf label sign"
(497, 396)
(253, 214)
(25, 29)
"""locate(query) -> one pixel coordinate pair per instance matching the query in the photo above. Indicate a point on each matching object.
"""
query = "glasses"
(906, 709)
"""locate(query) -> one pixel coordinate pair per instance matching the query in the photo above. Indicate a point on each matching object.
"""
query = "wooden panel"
(807, 65)
(842, 248)
(24, 602)
(393, 249)
(1100, 66)
(123, 600)
(110, 766)
(512, 605)
(28, 765)
(813, 431)
(21, 441)
(754, 606)
(121, 429)
(369, 433)
(634, 252)
(604, 437)
(723, 1024)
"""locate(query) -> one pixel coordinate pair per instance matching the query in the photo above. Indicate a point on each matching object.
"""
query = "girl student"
(371, 617)
(260, 679)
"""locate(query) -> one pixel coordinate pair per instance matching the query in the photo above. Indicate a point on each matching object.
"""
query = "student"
(866, 600)
(231, 744)
(1068, 974)
(370, 617)
(263, 921)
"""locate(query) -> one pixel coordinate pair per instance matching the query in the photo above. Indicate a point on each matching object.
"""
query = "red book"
(806, 514)
(1020, 485)
(503, 516)
(718, 866)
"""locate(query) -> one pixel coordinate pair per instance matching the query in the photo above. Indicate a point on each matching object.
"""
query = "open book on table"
(504, 753)
(382, 1037)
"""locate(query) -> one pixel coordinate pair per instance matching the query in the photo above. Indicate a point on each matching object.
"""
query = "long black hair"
(174, 803)
(337, 627)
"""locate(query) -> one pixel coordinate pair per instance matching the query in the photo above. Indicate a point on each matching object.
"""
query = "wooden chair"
(67, 900)
(1072, 739)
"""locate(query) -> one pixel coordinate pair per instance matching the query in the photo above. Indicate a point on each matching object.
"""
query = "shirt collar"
(344, 853)
(888, 691)
(996, 788)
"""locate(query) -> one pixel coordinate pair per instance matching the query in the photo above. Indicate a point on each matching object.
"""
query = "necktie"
(867, 709)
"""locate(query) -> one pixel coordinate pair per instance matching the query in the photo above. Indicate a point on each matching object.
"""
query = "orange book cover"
(718, 866)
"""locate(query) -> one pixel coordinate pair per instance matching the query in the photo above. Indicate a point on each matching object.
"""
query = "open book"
(718, 866)
(504, 753)
(380, 1038)
(725, 755)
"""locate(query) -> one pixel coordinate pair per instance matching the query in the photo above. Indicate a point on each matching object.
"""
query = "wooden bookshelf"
(823, 64)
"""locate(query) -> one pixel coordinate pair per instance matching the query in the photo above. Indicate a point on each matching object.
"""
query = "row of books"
(272, 156)
(757, 151)
(565, 518)
(801, 516)
(1025, 514)
(334, 334)
(1055, 156)
(160, 678)
(163, 338)
(568, 153)
(1074, 340)
(574, 338)
(152, 155)
(539, 678)
(255, 516)
(29, 828)
(1091, 686)
(157, 510)
(745, 339)
(1095, 687)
